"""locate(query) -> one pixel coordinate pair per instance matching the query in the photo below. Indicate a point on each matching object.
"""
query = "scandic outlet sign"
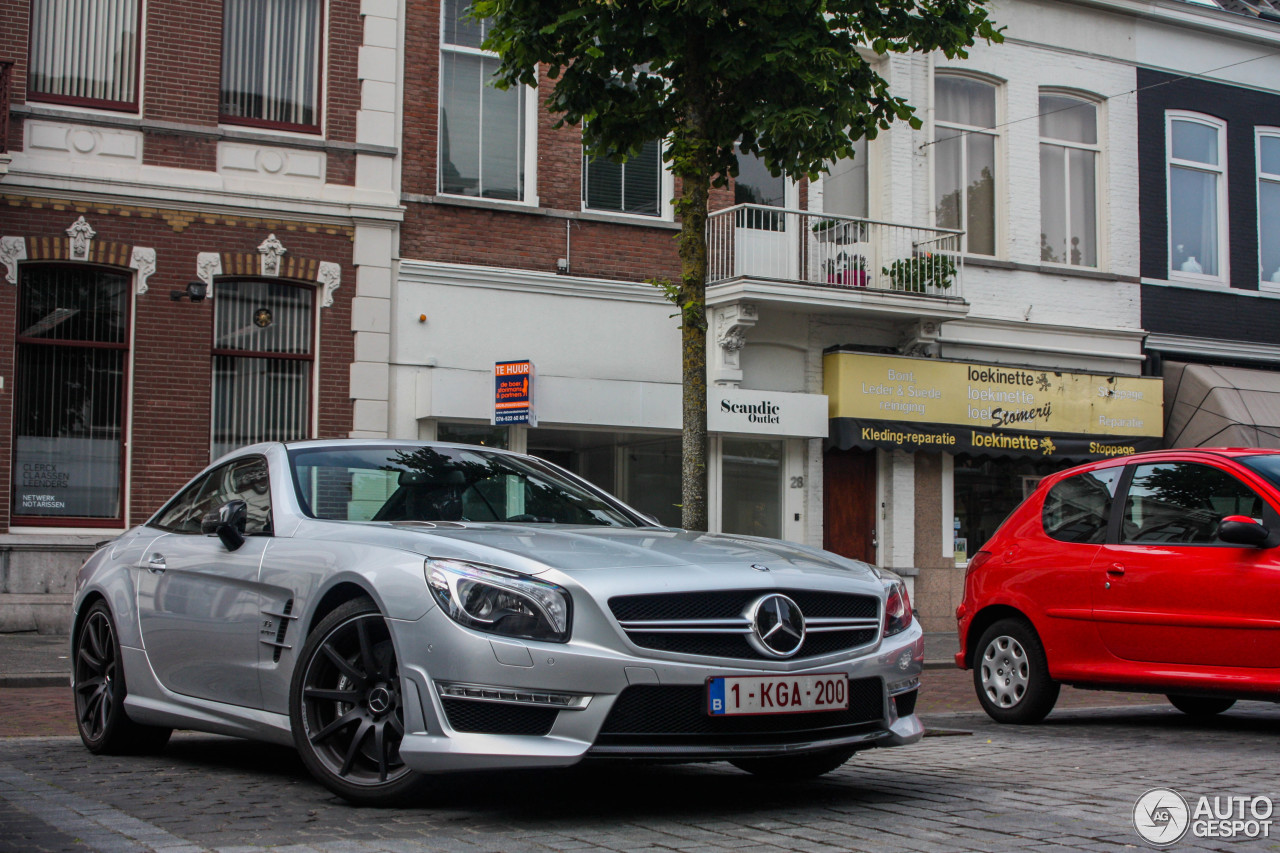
(894, 401)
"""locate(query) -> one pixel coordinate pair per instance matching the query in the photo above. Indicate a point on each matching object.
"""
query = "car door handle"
(1115, 569)
(156, 564)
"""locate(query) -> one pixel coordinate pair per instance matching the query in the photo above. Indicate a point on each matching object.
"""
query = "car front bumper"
(515, 683)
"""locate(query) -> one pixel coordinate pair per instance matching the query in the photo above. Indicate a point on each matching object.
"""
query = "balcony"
(834, 264)
(6, 83)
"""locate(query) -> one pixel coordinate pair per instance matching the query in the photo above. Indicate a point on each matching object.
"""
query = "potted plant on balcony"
(921, 273)
(848, 270)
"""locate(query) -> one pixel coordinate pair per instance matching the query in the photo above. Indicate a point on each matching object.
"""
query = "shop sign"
(908, 403)
(513, 393)
(69, 477)
(736, 410)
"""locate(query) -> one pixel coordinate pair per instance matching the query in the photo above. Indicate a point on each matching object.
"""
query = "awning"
(1221, 406)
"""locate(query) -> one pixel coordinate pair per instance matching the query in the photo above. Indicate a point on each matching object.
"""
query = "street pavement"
(1068, 784)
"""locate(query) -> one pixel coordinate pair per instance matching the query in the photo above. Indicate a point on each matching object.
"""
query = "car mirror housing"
(1243, 530)
(227, 523)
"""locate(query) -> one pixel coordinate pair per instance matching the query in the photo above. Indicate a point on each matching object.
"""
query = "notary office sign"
(513, 393)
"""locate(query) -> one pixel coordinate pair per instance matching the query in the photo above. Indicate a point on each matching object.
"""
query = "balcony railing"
(755, 241)
(6, 83)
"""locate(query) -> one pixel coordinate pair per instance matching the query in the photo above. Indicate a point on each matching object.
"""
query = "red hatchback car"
(1157, 572)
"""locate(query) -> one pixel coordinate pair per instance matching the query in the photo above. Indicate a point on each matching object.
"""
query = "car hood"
(532, 549)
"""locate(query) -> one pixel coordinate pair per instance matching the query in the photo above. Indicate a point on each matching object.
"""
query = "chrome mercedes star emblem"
(777, 626)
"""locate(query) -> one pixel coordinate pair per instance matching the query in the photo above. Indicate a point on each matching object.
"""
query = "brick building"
(197, 198)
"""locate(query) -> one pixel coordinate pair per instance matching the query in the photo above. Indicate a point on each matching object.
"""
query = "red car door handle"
(1115, 569)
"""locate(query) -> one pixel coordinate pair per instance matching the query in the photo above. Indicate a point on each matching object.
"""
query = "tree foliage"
(788, 80)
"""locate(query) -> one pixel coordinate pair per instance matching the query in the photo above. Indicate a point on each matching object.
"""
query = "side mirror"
(1243, 530)
(227, 523)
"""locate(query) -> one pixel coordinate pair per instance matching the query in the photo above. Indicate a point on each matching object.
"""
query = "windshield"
(416, 483)
(1267, 465)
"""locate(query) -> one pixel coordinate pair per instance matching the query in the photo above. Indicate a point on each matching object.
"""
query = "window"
(1181, 502)
(1077, 508)
(69, 393)
(1269, 207)
(844, 187)
(482, 128)
(262, 354)
(752, 487)
(631, 187)
(85, 52)
(244, 479)
(754, 185)
(1068, 180)
(271, 63)
(965, 160)
(1196, 147)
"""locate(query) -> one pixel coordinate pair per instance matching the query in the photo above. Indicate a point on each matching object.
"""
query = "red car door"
(1170, 591)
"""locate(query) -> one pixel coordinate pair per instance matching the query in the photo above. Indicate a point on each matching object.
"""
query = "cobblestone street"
(1067, 784)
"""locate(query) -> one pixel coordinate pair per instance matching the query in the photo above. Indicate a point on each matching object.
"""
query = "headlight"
(500, 602)
(897, 609)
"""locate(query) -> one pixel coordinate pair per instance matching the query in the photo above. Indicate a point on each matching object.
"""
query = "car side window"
(1183, 502)
(244, 479)
(182, 515)
(1077, 508)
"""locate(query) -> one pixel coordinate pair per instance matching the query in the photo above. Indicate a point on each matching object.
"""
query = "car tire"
(795, 768)
(1011, 674)
(1201, 707)
(346, 710)
(99, 691)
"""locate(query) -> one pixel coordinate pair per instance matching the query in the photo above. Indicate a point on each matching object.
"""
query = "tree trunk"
(692, 301)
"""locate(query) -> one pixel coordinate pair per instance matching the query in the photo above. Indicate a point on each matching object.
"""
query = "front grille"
(837, 622)
(676, 715)
(498, 718)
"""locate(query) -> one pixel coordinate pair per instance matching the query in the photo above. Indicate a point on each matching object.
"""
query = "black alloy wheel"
(347, 711)
(100, 691)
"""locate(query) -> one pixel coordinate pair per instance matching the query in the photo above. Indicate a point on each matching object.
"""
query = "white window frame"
(966, 130)
(666, 193)
(1096, 148)
(529, 195)
(1265, 282)
(1223, 278)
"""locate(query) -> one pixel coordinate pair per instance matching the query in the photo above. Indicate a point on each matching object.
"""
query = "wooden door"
(849, 512)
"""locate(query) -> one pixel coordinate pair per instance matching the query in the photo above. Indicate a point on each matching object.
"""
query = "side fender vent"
(285, 616)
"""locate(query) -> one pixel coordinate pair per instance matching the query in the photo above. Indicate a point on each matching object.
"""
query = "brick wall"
(171, 408)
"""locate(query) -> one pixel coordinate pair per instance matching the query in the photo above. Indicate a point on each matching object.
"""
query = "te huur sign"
(513, 393)
(958, 407)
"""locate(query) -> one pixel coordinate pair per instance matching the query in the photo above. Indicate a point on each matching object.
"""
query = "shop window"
(1196, 147)
(84, 52)
(1078, 508)
(632, 187)
(482, 128)
(69, 394)
(262, 362)
(964, 159)
(751, 487)
(1269, 207)
(271, 63)
(1068, 180)
(986, 490)
(482, 434)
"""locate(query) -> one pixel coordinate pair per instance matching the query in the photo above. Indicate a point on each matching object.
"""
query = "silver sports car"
(400, 609)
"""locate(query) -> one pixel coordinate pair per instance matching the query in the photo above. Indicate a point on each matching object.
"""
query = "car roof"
(1169, 453)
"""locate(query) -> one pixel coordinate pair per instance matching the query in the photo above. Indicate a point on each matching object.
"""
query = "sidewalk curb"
(36, 679)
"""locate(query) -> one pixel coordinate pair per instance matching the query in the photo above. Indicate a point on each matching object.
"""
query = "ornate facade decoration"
(731, 324)
(81, 234)
(208, 264)
(144, 261)
(12, 250)
(330, 276)
(271, 250)
(921, 340)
